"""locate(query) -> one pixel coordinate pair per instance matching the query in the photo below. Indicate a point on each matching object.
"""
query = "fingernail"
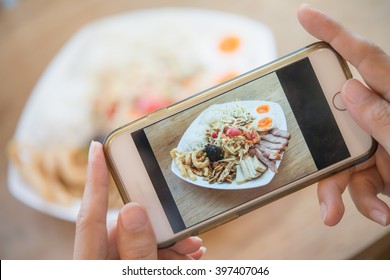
(305, 5)
(203, 249)
(133, 217)
(356, 94)
(379, 217)
(92, 148)
(197, 238)
(324, 211)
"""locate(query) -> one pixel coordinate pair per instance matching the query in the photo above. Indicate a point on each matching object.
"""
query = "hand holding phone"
(240, 145)
(369, 107)
(132, 237)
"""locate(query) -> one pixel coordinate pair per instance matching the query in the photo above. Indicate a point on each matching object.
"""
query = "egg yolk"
(262, 109)
(264, 123)
(229, 44)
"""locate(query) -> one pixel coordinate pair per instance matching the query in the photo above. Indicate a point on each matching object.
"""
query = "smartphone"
(239, 145)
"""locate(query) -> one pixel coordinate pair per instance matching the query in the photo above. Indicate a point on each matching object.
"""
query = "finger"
(329, 192)
(166, 254)
(188, 245)
(135, 236)
(113, 253)
(198, 254)
(371, 112)
(364, 187)
(91, 231)
(371, 62)
(382, 164)
(169, 254)
(186, 249)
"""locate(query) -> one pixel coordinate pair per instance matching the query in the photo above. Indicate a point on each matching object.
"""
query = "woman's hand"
(370, 108)
(131, 236)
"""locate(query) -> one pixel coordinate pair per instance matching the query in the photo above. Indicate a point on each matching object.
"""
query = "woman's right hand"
(370, 108)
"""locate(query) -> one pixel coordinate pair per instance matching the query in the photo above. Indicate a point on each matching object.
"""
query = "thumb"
(135, 239)
(369, 110)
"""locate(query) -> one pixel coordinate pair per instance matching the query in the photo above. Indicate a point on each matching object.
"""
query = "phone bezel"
(211, 93)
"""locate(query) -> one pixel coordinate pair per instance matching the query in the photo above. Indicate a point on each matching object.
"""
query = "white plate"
(22, 191)
(57, 112)
(279, 121)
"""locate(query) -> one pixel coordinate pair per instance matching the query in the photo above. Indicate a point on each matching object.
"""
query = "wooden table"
(32, 32)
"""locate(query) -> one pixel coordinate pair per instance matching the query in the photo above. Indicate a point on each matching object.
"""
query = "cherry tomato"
(233, 131)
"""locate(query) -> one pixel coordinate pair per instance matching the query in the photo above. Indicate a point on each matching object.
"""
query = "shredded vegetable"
(226, 127)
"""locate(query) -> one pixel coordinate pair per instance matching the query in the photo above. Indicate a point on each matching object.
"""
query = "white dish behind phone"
(324, 140)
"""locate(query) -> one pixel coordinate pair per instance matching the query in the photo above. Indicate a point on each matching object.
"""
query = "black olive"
(213, 152)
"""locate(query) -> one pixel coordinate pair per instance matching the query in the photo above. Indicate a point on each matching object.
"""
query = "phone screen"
(295, 135)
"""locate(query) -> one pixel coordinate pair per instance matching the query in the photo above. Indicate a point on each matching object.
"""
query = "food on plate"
(268, 152)
(264, 123)
(229, 145)
(263, 108)
(230, 43)
(214, 153)
(226, 76)
(58, 175)
(250, 168)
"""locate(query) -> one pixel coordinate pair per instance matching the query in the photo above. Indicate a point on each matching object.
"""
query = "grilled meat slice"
(269, 163)
(275, 139)
(280, 133)
(272, 146)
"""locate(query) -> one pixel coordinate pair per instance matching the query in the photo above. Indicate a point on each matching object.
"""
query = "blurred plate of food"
(111, 72)
(232, 146)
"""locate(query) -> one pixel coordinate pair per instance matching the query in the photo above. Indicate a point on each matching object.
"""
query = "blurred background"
(33, 32)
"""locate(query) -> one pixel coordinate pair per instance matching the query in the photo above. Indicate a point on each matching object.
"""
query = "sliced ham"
(272, 146)
(280, 133)
(269, 163)
(271, 154)
(275, 139)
